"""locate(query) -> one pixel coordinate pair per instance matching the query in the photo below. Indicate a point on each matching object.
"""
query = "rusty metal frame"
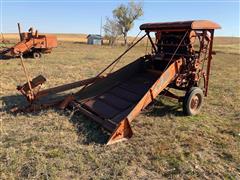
(30, 42)
(123, 131)
(151, 41)
(167, 93)
(32, 96)
(118, 124)
(209, 63)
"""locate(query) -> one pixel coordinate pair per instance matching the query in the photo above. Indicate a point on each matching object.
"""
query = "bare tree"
(111, 30)
(125, 16)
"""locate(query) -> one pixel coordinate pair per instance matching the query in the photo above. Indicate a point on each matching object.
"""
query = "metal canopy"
(194, 24)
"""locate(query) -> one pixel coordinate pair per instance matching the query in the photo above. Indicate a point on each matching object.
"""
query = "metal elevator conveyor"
(114, 100)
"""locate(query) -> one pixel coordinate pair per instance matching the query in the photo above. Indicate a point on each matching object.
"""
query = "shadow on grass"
(9, 102)
(92, 132)
(159, 109)
(7, 57)
(4, 58)
(89, 131)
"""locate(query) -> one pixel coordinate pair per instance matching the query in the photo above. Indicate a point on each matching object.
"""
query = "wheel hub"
(195, 102)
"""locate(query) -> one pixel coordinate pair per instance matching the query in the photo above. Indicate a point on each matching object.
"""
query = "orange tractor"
(31, 44)
(181, 57)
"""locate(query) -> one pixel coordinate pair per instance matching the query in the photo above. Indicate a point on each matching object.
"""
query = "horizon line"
(59, 33)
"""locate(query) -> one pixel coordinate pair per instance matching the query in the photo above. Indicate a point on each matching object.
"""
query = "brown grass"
(60, 145)
(80, 38)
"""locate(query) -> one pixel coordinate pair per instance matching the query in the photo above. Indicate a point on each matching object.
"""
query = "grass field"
(80, 38)
(54, 144)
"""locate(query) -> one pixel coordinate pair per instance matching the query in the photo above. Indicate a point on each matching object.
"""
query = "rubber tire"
(187, 101)
(37, 55)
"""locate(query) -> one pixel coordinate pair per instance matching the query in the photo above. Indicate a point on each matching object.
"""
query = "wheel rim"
(36, 55)
(195, 102)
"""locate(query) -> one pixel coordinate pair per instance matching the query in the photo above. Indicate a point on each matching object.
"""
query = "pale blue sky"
(82, 16)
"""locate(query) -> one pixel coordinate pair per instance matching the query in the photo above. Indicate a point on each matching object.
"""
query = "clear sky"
(82, 16)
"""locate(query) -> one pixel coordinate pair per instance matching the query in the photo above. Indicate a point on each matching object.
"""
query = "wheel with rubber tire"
(193, 101)
(37, 55)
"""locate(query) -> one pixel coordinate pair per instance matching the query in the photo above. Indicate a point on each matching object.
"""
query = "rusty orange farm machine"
(31, 44)
(181, 57)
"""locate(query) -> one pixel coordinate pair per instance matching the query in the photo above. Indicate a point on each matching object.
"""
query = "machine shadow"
(88, 131)
(11, 101)
(94, 133)
(8, 58)
(160, 109)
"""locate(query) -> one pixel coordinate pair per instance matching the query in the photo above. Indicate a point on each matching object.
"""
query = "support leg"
(122, 132)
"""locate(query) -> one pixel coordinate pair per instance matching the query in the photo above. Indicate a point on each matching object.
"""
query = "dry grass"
(59, 145)
(60, 37)
(80, 38)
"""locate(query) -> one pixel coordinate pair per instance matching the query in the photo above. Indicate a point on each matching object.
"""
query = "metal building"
(94, 39)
